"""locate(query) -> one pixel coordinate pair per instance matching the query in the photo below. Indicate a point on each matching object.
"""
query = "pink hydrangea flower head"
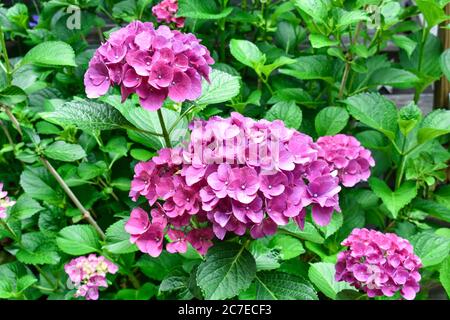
(345, 154)
(5, 202)
(238, 175)
(88, 274)
(379, 264)
(153, 63)
(200, 239)
(166, 11)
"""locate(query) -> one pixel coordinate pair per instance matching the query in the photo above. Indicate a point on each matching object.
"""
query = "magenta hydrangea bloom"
(166, 11)
(5, 202)
(235, 175)
(379, 264)
(345, 154)
(88, 274)
(153, 63)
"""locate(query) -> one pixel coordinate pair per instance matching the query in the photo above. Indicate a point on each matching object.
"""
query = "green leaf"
(433, 208)
(118, 240)
(88, 171)
(311, 68)
(51, 54)
(347, 18)
(431, 248)
(12, 95)
(117, 147)
(394, 200)
(405, 43)
(445, 63)
(25, 207)
(141, 154)
(18, 15)
(321, 275)
(266, 258)
(375, 111)
(223, 87)
(432, 12)
(78, 240)
(320, 41)
(309, 232)
(275, 285)
(148, 121)
(435, 124)
(87, 115)
(335, 224)
(199, 9)
(444, 275)
(288, 246)
(288, 112)
(38, 248)
(147, 291)
(331, 120)
(279, 62)
(317, 9)
(40, 185)
(25, 282)
(396, 78)
(408, 117)
(159, 268)
(227, 270)
(64, 151)
(247, 53)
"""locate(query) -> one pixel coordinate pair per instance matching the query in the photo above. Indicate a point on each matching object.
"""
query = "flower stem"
(7, 134)
(5, 56)
(13, 119)
(74, 199)
(164, 130)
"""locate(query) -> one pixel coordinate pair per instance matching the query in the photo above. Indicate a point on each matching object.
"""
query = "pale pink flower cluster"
(380, 264)
(88, 274)
(153, 63)
(5, 202)
(234, 175)
(166, 11)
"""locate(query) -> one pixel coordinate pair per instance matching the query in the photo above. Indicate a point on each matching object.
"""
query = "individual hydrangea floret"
(379, 264)
(88, 274)
(5, 202)
(153, 63)
(166, 11)
(236, 175)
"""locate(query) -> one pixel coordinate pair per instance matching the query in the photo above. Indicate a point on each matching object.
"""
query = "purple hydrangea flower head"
(379, 264)
(166, 11)
(153, 63)
(88, 274)
(5, 202)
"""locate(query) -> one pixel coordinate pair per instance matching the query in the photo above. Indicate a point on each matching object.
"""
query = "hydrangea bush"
(187, 149)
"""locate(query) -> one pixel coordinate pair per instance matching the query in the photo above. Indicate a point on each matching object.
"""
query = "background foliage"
(318, 65)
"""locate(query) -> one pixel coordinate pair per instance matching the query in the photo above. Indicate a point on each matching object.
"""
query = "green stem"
(344, 80)
(185, 113)
(74, 199)
(164, 130)
(55, 286)
(7, 134)
(401, 168)
(7, 227)
(5, 55)
(12, 118)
